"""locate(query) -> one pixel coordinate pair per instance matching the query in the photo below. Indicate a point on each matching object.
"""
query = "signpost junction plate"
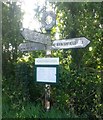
(48, 24)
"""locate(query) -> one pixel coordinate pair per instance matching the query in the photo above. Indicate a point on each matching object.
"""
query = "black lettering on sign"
(65, 43)
(57, 44)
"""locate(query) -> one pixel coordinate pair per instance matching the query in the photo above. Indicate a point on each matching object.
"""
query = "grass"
(31, 110)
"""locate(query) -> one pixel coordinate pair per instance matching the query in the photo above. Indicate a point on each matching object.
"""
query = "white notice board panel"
(46, 74)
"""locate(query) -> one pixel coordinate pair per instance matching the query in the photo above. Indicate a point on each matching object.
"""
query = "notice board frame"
(46, 66)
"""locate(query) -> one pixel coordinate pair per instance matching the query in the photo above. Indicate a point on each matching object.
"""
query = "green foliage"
(79, 92)
(80, 75)
(35, 111)
(11, 37)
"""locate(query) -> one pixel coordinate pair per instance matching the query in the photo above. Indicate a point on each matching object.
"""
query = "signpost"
(30, 46)
(70, 43)
(33, 36)
(46, 69)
